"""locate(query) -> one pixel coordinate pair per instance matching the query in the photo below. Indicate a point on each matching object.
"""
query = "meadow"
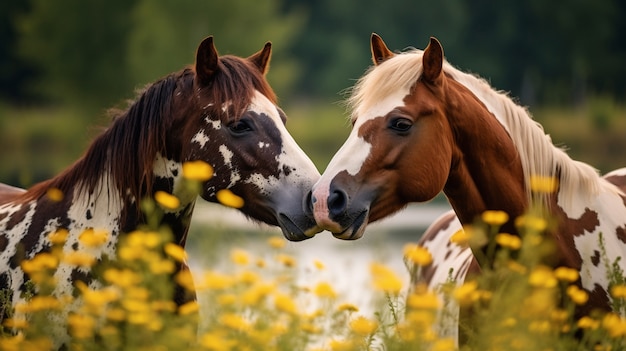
(259, 298)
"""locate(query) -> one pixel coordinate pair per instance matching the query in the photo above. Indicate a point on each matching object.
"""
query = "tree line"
(99, 51)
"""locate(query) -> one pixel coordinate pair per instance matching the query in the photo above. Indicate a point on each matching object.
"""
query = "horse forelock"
(538, 155)
(232, 88)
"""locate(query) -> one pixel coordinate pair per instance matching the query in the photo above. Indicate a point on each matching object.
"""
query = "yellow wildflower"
(363, 326)
(341, 345)
(256, 293)
(233, 321)
(163, 305)
(618, 291)
(176, 252)
(466, 293)
(530, 222)
(189, 308)
(81, 325)
(16, 323)
(461, 238)
(167, 201)
(543, 184)
(417, 254)
(239, 257)
(615, 325)
(445, 344)
(217, 341)
(406, 331)
(421, 319)
(509, 241)
(577, 295)
(227, 299)
(542, 277)
(319, 264)
(217, 281)
(54, 194)
(587, 323)
(77, 258)
(495, 218)
(38, 303)
(566, 274)
(248, 277)
(539, 326)
(116, 314)
(516, 267)
(285, 303)
(93, 238)
(121, 277)
(277, 242)
(286, 260)
(385, 279)
(197, 170)
(324, 290)
(347, 307)
(184, 279)
(58, 237)
(228, 198)
(42, 261)
(99, 298)
(426, 300)
(161, 266)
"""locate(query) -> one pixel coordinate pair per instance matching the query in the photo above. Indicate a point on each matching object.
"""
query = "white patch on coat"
(228, 161)
(353, 153)
(291, 155)
(201, 138)
(609, 206)
(215, 124)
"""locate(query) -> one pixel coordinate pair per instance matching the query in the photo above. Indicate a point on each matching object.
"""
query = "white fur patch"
(291, 156)
(201, 138)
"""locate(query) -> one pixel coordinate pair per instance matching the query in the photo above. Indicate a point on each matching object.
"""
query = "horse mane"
(126, 151)
(538, 155)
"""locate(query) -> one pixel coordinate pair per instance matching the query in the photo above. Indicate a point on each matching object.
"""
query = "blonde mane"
(539, 157)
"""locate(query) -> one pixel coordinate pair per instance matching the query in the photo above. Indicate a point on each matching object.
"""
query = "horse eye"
(400, 124)
(239, 127)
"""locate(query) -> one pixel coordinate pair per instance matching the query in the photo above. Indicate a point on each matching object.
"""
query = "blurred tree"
(15, 74)
(79, 46)
(168, 32)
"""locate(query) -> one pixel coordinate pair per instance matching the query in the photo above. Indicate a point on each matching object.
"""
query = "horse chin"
(293, 231)
(356, 229)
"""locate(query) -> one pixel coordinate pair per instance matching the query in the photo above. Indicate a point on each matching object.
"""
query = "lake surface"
(347, 263)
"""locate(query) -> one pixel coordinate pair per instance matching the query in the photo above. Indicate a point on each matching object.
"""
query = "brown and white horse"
(221, 111)
(421, 126)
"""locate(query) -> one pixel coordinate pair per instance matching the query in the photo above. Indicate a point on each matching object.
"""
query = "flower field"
(258, 299)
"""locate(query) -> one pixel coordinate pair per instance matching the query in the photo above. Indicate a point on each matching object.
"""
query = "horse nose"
(337, 202)
(310, 201)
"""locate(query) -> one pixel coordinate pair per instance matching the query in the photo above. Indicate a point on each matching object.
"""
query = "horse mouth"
(293, 232)
(356, 229)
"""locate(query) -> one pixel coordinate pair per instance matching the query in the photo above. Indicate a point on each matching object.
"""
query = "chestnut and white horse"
(421, 126)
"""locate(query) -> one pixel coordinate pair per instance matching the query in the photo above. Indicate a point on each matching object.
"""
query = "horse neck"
(486, 172)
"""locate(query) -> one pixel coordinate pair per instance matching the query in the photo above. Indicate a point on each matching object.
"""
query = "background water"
(347, 263)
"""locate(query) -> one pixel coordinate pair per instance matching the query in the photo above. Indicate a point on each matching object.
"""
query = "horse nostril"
(310, 201)
(337, 202)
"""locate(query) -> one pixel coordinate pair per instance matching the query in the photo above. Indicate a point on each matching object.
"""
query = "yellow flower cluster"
(259, 301)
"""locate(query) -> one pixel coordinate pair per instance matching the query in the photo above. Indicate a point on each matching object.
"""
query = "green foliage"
(78, 45)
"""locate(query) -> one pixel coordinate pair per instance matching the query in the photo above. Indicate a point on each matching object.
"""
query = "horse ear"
(207, 60)
(380, 52)
(432, 61)
(262, 58)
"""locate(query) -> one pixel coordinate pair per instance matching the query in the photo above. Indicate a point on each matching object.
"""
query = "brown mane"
(128, 148)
